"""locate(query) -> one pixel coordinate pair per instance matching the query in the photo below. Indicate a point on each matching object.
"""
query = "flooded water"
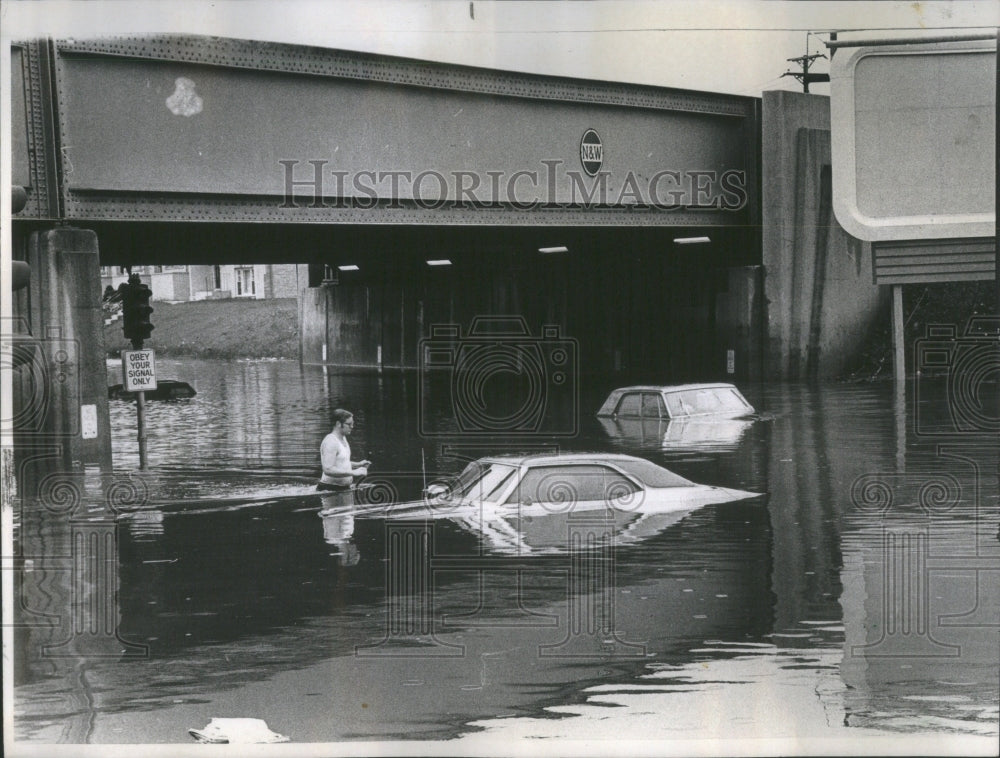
(856, 599)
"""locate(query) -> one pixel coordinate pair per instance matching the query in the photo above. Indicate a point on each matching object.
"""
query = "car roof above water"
(673, 387)
(547, 458)
(647, 472)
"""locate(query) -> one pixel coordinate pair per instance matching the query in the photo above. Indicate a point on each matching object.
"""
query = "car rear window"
(645, 404)
(652, 405)
(652, 475)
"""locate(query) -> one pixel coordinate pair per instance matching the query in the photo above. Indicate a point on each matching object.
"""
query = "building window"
(244, 282)
(218, 277)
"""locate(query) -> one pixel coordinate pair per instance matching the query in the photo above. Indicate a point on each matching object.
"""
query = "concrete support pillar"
(899, 374)
(898, 336)
(345, 325)
(738, 319)
(67, 322)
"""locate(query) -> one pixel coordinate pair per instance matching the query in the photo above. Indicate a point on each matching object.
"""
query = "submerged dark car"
(166, 389)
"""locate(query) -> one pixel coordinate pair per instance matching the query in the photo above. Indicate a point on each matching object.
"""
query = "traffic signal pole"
(136, 311)
(140, 418)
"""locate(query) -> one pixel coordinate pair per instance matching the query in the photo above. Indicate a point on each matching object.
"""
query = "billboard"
(913, 140)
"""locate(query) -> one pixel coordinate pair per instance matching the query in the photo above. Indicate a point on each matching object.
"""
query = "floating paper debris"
(237, 731)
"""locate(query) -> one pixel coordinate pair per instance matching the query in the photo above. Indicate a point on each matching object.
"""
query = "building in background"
(181, 283)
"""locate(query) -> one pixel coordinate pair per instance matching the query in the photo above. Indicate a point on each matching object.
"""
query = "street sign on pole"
(138, 370)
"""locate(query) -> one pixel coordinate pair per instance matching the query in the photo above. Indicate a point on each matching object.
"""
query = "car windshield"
(709, 400)
(650, 474)
(482, 481)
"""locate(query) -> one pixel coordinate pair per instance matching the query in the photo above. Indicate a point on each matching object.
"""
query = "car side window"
(570, 484)
(629, 405)
(652, 405)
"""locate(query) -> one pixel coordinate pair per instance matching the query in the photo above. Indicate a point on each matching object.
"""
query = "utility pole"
(805, 62)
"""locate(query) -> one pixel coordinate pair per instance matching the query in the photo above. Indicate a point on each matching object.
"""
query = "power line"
(660, 29)
(757, 88)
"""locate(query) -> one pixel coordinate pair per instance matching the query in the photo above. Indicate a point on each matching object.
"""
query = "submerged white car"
(525, 504)
(677, 401)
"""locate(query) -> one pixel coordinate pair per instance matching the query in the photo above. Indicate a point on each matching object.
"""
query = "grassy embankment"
(219, 329)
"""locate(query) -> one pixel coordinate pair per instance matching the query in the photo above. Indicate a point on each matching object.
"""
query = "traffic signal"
(136, 310)
(20, 275)
(18, 199)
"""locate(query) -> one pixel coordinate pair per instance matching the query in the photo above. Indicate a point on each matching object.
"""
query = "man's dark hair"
(341, 416)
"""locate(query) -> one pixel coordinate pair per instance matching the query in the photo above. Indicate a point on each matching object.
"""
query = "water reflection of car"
(531, 503)
(705, 434)
(677, 401)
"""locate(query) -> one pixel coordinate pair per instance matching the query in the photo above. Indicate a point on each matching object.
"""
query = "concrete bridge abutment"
(61, 421)
(821, 299)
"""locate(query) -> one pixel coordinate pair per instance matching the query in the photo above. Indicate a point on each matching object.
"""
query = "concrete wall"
(311, 324)
(738, 318)
(301, 278)
(348, 319)
(820, 299)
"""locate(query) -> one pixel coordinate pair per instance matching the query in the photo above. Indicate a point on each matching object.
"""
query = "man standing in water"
(339, 471)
